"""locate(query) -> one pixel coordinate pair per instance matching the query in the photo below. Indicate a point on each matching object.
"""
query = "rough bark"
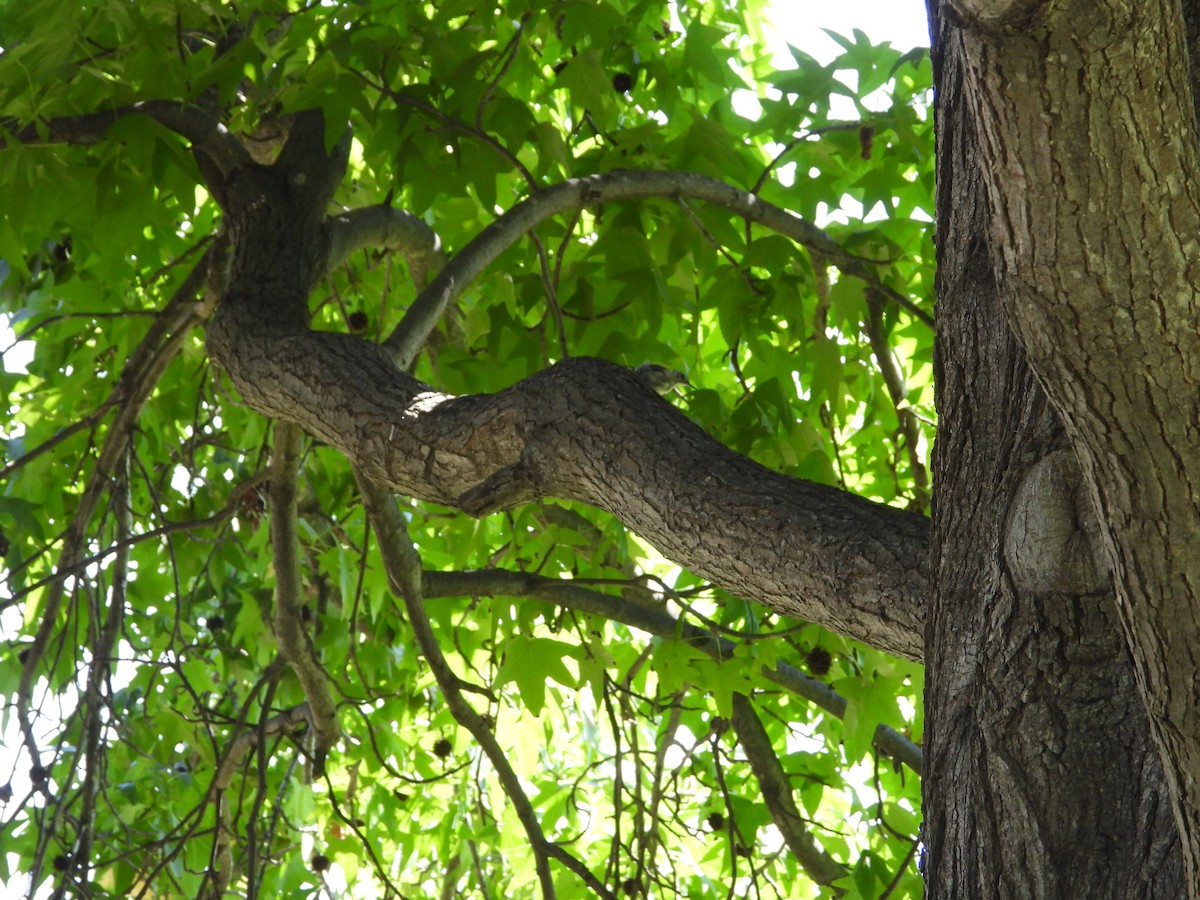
(1042, 779)
(1086, 120)
(584, 430)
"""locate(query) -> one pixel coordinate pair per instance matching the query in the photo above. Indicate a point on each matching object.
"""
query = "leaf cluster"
(138, 659)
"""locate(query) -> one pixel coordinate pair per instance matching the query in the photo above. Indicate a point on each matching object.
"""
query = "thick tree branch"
(204, 130)
(592, 431)
(584, 430)
(410, 334)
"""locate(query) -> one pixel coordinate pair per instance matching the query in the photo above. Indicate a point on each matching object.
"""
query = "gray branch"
(388, 228)
(295, 644)
(403, 567)
(585, 429)
(410, 334)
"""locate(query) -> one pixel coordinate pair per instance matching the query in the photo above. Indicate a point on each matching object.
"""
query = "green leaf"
(530, 663)
(457, 110)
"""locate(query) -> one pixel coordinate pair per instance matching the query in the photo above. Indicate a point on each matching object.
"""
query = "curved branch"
(584, 429)
(385, 226)
(291, 719)
(410, 334)
(204, 130)
(590, 430)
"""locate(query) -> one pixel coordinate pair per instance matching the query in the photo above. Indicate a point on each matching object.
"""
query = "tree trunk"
(1042, 779)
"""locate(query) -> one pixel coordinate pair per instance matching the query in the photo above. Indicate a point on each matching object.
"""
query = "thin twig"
(99, 670)
(507, 56)
(63, 571)
(403, 567)
(893, 378)
(656, 621)
(550, 282)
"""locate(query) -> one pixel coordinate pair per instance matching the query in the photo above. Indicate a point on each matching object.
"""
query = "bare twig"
(507, 56)
(405, 99)
(650, 847)
(140, 373)
(403, 567)
(57, 438)
(656, 621)
(221, 515)
(719, 247)
(796, 142)
(103, 640)
(550, 282)
(139, 377)
(893, 378)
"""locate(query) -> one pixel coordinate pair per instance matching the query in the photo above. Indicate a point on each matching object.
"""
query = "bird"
(660, 379)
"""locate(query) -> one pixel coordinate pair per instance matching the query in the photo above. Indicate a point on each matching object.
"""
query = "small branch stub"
(1052, 544)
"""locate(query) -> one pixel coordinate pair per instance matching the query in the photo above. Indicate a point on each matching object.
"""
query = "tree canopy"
(279, 618)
